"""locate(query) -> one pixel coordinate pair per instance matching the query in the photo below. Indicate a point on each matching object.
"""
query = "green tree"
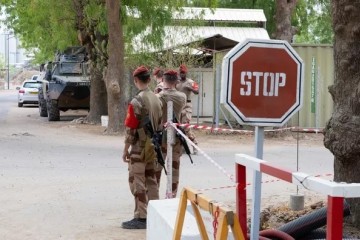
(278, 14)
(314, 21)
(284, 29)
(42, 26)
(44, 29)
(310, 20)
(342, 132)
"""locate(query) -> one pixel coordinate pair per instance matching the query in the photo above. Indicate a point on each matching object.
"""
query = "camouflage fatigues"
(142, 180)
(179, 101)
(159, 87)
(186, 114)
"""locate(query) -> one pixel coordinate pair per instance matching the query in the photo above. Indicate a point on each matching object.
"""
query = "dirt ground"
(62, 180)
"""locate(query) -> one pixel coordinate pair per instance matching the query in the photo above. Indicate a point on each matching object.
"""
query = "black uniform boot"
(136, 223)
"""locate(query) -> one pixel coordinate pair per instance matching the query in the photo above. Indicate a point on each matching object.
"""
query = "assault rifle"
(156, 139)
(183, 140)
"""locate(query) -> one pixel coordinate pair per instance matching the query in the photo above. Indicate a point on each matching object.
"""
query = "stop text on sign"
(270, 81)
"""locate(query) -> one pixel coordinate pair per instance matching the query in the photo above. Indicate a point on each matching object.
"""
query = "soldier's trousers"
(186, 116)
(176, 154)
(142, 182)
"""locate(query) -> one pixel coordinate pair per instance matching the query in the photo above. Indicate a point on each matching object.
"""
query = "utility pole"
(8, 59)
(7, 54)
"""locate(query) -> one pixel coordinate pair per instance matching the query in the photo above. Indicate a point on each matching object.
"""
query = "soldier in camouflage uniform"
(189, 87)
(158, 74)
(169, 93)
(143, 107)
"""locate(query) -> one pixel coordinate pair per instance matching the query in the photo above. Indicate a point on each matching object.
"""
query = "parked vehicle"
(28, 92)
(65, 85)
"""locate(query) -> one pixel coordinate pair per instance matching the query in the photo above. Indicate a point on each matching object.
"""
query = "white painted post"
(256, 203)
(170, 142)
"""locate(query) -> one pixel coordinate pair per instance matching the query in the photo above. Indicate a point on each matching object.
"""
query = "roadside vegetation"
(108, 30)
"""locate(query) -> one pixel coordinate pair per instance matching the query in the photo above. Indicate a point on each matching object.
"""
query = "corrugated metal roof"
(221, 14)
(195, 34)
(177, 36)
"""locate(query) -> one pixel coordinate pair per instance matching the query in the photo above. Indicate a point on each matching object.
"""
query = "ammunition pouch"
(148, 153)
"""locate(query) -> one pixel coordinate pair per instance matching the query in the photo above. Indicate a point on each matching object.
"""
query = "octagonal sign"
(262, 82)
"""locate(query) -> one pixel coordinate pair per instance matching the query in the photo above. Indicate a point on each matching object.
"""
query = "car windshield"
(32, 85)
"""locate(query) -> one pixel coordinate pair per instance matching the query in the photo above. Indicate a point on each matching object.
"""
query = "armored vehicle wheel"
(42, 104)
(53, 110)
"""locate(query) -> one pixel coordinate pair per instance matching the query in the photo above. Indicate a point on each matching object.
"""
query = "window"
(32, 85)
(70, 68)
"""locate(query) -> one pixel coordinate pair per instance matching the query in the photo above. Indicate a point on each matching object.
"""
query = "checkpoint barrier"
(230, 130)
(223, 217)
(336, 192)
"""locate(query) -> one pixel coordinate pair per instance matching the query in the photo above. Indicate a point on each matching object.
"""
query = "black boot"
(136, 223)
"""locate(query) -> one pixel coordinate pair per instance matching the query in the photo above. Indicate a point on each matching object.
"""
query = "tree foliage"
(47, 26)
(50, 25)
(313, 19)
(342, 131)
(41, 26)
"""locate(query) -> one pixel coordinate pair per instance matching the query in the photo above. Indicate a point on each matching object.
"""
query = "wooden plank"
(179, 223)
(200, 222)
(226, 216)
(222, 231)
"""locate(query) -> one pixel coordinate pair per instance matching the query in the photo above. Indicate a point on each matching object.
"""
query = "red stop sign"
(262, 82)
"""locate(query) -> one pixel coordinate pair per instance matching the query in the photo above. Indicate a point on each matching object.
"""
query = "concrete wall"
(10, 46)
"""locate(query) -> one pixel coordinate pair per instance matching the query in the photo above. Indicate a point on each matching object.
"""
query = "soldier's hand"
(126, 156)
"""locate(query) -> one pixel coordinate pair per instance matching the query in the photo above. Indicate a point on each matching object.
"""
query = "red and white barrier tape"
(248, 184)
(230, 176)
(208, 128)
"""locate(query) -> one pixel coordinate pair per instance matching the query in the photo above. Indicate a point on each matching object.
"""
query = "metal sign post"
(262, 85)
(255, 214)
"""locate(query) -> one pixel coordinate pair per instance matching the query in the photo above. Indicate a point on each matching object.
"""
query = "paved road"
(61, 180)
(7, 99)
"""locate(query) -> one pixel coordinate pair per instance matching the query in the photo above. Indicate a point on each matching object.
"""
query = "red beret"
(183, 68)
(171, 72)
(156, 71)
(140, 70)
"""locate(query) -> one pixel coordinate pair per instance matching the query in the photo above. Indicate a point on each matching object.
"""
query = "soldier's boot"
(136, 223)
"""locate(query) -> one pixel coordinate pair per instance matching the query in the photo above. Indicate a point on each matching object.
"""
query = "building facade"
(10, 51)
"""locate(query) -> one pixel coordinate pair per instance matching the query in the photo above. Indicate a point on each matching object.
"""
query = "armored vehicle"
(65, 84)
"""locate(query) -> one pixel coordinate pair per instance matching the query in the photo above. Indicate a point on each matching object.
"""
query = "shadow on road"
(69, 118)
(29, 106)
